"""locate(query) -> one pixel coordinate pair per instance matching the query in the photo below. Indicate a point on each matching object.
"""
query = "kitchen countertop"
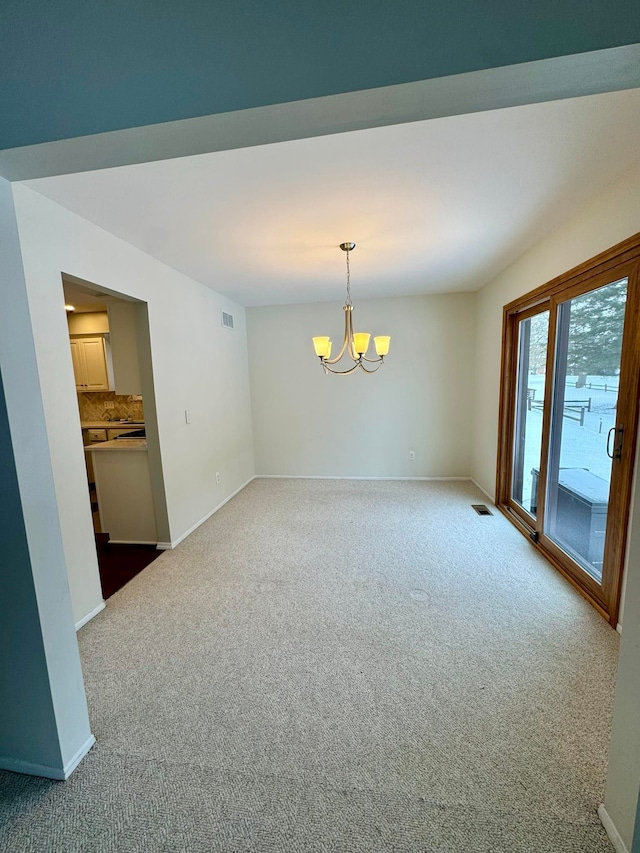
(110, 424)
(118, 444)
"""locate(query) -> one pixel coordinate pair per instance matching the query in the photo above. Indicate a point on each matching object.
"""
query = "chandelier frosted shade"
(322, 346)
(382, 344)
(355, 344)
(361, 342)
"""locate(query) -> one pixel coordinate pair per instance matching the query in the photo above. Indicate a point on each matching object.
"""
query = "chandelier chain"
(349, 302)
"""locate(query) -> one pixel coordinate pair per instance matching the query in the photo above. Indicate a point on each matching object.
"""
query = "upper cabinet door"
(78, 365)
(90, 364)
(97, 378)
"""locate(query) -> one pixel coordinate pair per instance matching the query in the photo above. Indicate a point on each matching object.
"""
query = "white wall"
(306, 423)
(197, 364)
(609, 218)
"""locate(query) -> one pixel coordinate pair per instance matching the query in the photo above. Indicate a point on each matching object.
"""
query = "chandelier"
(355, 344)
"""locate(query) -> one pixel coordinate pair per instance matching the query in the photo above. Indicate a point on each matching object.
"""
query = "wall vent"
(481, 509)
(227, 320)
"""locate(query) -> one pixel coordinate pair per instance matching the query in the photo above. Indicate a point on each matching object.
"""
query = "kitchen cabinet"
(114, 433)
(91, 364)
(123, 488)
(89, 437)
(124, 318)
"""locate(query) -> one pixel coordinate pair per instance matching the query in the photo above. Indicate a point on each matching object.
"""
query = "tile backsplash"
(92, 406)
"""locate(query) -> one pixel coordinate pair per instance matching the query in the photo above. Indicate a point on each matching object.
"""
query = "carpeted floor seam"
(426, 800)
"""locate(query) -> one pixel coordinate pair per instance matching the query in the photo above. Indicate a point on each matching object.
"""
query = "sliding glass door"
(571, 370)
(584, 438)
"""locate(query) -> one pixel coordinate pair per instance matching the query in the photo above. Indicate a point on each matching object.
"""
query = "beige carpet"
(337, 666)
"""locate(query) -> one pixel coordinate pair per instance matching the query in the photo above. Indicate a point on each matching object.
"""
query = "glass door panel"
(583, 437)
(533, 334)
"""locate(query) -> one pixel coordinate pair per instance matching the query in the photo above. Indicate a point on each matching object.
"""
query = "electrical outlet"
(412, 456)
(217, 476)
(109, 404)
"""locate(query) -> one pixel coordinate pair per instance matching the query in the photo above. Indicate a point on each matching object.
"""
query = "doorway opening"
(110, 347)
(568, 419)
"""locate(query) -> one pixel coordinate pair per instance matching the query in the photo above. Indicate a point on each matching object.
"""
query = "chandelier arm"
(372, 360)
(375, 369)
(348, 334)
(351, 346)
(346, 372)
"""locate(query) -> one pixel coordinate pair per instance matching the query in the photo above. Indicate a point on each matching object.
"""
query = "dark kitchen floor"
(119, 563)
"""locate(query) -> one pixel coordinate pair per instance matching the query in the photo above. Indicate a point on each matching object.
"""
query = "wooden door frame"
(603, 268)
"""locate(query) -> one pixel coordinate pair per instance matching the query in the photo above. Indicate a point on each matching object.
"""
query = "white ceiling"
(433, 206)
(83, 301)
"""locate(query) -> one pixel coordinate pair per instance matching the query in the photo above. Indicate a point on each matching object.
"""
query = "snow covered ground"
(581, 446)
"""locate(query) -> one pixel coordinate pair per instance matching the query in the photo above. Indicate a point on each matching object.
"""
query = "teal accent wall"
(27, 720)
(78, 67)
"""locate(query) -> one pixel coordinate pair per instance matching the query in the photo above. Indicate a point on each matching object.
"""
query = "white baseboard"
(131, 542)
(340, 477)
(619, 628)
(610, 828)
(90, 616)
(484, 491)
(28, 768)
(163, 546)
(174, 542)
(71, 765)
